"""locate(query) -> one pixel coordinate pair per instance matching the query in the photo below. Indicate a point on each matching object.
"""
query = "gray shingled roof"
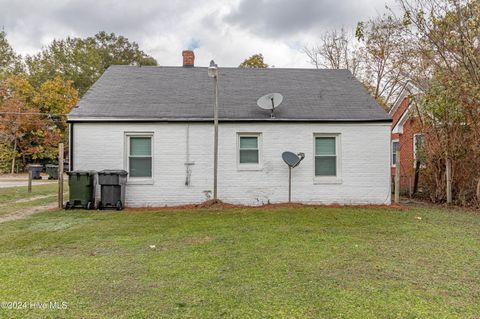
(178, 93)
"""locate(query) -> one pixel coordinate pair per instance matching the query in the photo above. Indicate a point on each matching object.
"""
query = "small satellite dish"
(270, 102)
(292, 159)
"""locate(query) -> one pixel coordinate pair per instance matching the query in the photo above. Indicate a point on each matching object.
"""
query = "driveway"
(22, 180)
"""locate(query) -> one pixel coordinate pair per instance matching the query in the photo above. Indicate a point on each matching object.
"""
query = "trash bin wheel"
(89, 205)
(100, 207)
(119, 205)
(67, 205)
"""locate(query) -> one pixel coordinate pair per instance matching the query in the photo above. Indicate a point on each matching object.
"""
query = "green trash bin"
(52, 171)
(81, 189)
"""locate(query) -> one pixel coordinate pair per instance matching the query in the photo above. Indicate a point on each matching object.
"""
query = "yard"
(281, 262)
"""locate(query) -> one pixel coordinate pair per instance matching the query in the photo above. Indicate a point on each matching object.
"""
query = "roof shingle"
(186, 94)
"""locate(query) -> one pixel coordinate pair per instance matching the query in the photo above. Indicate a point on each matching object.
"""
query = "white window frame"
(250, 166)
(126, 162)
(391, 152)
(415, 148)
(338, 153)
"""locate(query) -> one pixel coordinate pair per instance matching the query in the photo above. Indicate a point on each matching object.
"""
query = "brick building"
(406, 136)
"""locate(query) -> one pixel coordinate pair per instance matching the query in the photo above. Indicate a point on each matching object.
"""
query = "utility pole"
(60, 175)
(213, 72)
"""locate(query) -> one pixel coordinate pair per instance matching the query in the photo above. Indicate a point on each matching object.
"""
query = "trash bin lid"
(51, 165)
(81, 173)
(120, 172)
(34, 165)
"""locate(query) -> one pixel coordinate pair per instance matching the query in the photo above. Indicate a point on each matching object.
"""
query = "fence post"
(478, 190)
(397, 176)
(60, 175)
(449, 181)
(29, 180)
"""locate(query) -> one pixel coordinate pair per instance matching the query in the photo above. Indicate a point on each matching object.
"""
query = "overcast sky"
(225, 30)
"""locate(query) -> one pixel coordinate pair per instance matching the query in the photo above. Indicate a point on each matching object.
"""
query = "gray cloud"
(39, 21)
(277, 18)
(226, 30)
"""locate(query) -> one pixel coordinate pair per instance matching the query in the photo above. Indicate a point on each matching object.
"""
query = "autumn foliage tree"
(37, 92)
(19, 116)
(83, 60)
(447, 34)
(32, 122)
(254, 62)
(10, 62)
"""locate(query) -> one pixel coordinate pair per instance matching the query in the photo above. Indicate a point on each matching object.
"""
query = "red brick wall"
(399, 112)
(406, 140)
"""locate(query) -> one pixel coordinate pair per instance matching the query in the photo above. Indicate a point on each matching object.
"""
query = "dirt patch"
(24, 200)
(23, 183)
(219, 205)
(29, 199)
(14, 176)
(425, 203)
(26, 212)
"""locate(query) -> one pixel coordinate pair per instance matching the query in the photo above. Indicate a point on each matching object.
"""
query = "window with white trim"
(249, 152)
(139, 155)
(395, 146)
(326, 156)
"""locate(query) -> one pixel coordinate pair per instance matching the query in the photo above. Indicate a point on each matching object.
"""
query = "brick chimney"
(188, 59)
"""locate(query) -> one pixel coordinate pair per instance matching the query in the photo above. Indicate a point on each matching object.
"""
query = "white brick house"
(156, 123)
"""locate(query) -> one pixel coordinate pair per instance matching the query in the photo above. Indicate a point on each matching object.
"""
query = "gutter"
(70, 145)
(207, 120)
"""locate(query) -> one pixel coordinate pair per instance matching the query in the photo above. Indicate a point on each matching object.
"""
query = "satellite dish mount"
(292, 160)
(270, 102)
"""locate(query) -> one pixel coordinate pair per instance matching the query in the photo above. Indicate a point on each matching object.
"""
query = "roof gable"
(409, 89)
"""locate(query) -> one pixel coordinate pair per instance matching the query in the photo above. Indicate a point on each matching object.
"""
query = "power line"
(32, 113)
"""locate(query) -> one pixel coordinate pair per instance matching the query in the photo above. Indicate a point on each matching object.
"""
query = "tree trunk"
(417, 175)
(14, 156)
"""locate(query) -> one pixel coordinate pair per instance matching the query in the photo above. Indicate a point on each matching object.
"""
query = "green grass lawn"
(12, 194)
(14, 199)
(244, 263)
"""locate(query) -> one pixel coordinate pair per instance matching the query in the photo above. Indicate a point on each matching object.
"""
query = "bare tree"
(385, 55)
(377, 55)
(446, 35)
(336, 50)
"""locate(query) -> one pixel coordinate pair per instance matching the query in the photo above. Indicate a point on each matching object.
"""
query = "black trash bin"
(36, 169)
(81, 188)
(112, 189)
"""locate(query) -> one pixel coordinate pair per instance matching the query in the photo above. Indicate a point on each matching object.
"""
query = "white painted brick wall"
(365, 162)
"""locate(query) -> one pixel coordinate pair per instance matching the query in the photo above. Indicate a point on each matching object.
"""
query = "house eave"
(210, 120)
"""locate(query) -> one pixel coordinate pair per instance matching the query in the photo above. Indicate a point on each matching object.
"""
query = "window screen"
(140, 156)
(325, 156)
(248, 150)
(395, 146)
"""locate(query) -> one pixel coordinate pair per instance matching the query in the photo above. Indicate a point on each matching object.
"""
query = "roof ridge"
(223, 67)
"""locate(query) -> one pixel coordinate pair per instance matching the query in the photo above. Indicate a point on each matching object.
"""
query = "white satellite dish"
(270, 101)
